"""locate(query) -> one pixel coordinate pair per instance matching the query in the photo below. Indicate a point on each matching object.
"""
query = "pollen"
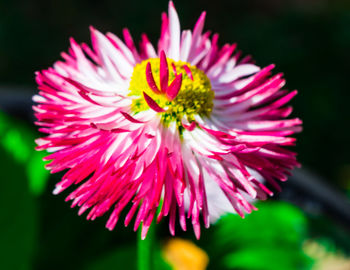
(194, 96)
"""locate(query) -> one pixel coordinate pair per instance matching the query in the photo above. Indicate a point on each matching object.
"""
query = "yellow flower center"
(195, 96)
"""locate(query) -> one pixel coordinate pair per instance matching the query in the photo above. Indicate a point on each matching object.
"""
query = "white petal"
(238, 72)
(185, 45)
(174, 30)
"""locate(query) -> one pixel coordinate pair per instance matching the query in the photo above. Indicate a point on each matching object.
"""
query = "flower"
(154, 129)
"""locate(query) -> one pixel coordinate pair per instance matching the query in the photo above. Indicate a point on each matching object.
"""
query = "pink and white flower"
(151, 130)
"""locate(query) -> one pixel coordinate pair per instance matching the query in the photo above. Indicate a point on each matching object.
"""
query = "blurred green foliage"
(270, 239)
(19, 216)
(17, 139)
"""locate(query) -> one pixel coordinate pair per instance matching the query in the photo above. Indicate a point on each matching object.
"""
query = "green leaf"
(274, 222)
(263, 258)
(268, 239)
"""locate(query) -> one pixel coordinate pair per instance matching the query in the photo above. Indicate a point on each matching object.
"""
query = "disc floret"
(177, 90)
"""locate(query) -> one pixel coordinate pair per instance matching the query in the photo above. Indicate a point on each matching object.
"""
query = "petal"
(174, 32)
(174, 87)
(152, 104)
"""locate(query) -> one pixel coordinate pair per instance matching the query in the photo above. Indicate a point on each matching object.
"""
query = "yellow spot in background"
(184, 255)
(325, 260)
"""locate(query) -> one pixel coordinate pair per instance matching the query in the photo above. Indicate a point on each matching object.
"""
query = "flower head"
(151, 130)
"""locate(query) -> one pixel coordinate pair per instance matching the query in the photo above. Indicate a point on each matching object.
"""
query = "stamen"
(150, 79)
(174, 87)
(164, 72)
(152, 104)
(188, 71)
(174, 69)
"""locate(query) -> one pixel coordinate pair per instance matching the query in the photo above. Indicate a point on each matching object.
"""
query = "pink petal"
(152, 104)
(163, 72)
(150, 80)
(163, 42)
(174, 87)
(188, 71)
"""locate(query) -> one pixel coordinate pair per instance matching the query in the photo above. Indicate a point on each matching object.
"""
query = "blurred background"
(307, 226)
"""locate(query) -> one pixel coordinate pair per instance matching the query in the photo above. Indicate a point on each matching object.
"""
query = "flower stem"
(145, 250)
